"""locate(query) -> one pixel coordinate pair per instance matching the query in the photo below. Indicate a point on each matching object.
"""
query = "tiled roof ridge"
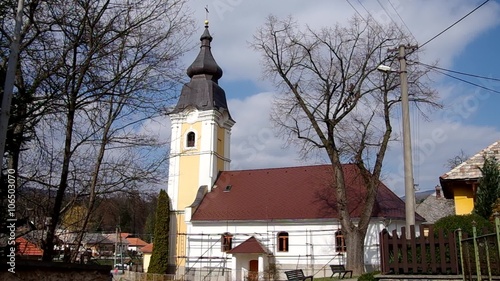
(289, 167)
(471, 159)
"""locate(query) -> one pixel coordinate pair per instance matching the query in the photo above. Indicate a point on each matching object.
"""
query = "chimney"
(438, 191)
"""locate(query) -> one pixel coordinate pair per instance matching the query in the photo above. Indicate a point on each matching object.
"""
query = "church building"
(253, 224)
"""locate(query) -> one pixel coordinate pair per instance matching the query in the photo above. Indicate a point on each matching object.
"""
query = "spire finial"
(206, 16)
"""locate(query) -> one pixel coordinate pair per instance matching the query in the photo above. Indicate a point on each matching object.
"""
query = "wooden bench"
(297, 274)
(340, 269)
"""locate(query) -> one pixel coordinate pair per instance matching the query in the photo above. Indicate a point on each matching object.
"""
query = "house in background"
(461, 182)
(435, 206)
(134, 243)
(100, 244)
(147, 251)
(27, 249)
(246, 223)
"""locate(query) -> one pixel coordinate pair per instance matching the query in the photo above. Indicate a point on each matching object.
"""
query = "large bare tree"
(97, 72)
(331, 99)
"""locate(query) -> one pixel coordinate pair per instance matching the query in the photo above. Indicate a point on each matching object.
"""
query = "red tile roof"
(26, 248)
(291, 193)
(250, 246)
(147, 249)
(136, 242)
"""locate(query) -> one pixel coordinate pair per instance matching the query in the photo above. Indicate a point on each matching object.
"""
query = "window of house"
(339, 242)
(190, 139)
(227, 242)
(283, 241)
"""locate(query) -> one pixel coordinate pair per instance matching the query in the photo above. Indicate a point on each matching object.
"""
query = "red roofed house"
(134, 243)
(247, 223)
(27, 249)
(147, 251)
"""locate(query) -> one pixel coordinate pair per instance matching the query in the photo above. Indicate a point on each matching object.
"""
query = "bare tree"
(457, 160)
(332, 99)
(108, 68)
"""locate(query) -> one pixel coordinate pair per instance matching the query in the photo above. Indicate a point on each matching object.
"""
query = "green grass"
(335, 278)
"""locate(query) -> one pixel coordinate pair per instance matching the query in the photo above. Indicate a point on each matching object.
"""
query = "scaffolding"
(312, 250)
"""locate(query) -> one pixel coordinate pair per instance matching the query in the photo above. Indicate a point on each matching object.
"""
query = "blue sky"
(469, 120)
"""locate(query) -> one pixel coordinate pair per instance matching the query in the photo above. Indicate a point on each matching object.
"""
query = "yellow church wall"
(180, 240)
(221, 134)
(189, 167)
(464, 200)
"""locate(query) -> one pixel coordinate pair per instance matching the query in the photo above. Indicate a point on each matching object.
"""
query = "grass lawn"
(335, 278)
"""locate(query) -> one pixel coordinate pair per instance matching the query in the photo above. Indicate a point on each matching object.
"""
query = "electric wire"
(467, 82)
(404, 23)
(373, 18)
(455, 23)
(398, 26)
(457, 72)
(352, 6)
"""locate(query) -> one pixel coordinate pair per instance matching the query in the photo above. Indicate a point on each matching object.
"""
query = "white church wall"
(311, 243)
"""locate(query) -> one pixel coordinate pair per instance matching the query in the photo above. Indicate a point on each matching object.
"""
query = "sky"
(468, 121)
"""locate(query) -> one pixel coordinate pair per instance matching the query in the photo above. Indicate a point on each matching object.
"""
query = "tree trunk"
(355, 241)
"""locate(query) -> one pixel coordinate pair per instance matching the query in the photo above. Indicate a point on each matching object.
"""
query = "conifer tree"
(159, 258)
(488, 189)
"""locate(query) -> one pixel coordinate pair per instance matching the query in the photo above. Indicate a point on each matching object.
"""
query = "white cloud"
(234, 22)
(254, 144)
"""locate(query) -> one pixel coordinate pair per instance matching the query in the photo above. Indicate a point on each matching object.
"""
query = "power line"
(392, 20)
(467, 82)
(458, 72)
(404, 23)
(437, 35)
(352, 6)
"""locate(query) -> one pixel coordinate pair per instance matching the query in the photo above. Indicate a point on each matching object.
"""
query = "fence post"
(476, 252)
(497, 228)
(461, 252)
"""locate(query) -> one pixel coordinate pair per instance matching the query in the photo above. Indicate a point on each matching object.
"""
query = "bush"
(370, 276)
(464, 222)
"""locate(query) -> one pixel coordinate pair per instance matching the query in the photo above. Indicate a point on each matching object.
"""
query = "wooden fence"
(425, 252)
(481, 254)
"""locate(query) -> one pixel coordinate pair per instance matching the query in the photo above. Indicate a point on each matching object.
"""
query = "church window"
(339, 242)
(283, 241)
(190, 140)
(227, 242)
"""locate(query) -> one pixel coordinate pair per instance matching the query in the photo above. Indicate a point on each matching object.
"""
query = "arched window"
(339, 242)
(227, 242)
(190, 139)
(282, 241)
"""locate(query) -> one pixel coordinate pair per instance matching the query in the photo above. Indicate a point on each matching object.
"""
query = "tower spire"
(203, 91)
(205, 64)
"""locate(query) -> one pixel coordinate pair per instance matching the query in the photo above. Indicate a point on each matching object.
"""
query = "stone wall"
(27, 270)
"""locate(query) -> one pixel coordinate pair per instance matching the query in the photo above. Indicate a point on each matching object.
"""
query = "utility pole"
(407, 158)
(9, 78)
(408, 165)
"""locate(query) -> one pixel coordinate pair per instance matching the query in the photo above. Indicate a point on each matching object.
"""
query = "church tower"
(199, 150)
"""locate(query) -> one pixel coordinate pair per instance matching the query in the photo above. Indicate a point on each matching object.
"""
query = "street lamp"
(407, 158)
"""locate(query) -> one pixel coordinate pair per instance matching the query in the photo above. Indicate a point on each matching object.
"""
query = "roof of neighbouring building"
(147, 249)
(249, 246)
(469, 169)
(435, 207)
(133, 241)
(291, 193)
(27, 248)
